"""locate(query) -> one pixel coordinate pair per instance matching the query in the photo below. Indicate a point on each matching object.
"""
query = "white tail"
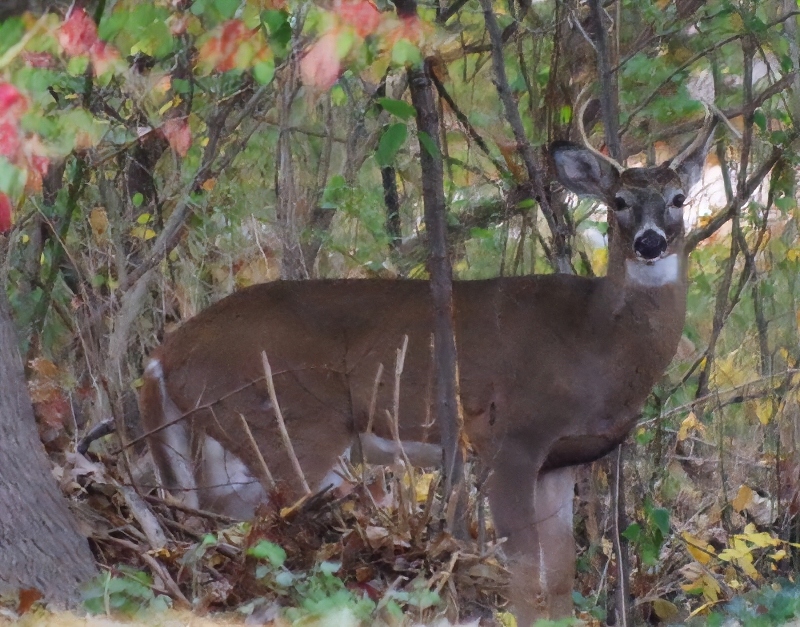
(554, 371)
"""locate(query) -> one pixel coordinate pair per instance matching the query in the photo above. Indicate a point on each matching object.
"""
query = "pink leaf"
(9, 139)
(178, 134)
(12, 102)
(38, 59)
(361, 15)
(320, 66)
(78, 33)
(5, 213)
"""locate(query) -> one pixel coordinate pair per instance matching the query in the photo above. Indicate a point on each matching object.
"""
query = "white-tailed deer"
(554, 371)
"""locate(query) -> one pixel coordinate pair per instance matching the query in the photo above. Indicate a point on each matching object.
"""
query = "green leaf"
(77, 66)
(264, 71)
(277, 23)
(180, 86)
(12, 178)
(429, 145)
(391, 141)
(399, 108)
(760, 119)
(269, 551)
(11, 32)
(137, 199)
(633, 532)
(660, 517)
(226, 8)
(565, 115)
(406, 53)
(338, 96)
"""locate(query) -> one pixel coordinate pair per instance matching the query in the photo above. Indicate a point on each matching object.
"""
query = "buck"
(553, 372)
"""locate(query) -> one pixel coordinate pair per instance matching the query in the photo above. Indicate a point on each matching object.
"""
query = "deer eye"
(620, 203)
(678, 200)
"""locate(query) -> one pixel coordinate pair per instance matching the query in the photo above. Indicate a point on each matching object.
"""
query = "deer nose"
(650, 244)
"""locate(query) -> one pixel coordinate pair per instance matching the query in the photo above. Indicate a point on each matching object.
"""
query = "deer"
(554, 370)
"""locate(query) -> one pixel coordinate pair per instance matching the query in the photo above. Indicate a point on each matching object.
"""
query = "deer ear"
(688, 165)
(582, 171)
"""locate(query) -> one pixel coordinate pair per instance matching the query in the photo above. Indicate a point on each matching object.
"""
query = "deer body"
(553, 372)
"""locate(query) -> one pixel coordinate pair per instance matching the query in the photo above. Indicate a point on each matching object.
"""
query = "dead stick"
(374, 400)
(281, 424)
(259, 456)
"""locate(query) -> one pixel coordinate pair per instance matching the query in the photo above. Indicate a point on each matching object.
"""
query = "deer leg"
(554, 502)
(511, 491)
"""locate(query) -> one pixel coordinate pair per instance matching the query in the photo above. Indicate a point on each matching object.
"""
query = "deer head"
(645, 204)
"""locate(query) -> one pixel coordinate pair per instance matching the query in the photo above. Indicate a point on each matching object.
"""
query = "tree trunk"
(40, 546)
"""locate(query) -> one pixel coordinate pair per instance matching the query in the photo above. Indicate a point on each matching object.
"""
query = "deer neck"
(647, 301)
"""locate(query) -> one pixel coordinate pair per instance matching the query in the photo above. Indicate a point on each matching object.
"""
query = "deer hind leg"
(171, 447)
(554, 509)
(511, 490)
(315, 406)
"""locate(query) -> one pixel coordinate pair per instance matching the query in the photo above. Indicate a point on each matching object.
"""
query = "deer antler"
(585, 138)
(702, 137)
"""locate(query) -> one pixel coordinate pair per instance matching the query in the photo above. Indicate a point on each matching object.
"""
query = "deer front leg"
(554, 496)
(511, 489)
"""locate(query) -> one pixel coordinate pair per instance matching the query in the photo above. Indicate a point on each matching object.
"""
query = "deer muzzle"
(650, 244)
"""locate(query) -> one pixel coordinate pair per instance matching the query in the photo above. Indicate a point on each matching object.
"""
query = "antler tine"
(702, 137)
(585, 138)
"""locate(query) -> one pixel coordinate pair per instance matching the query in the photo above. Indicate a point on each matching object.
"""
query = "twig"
(374, 400)
(144, 516)
(173, 503)
(259, 456)
(287, 443)
(560, 249)
(172, 587)
(469, 129)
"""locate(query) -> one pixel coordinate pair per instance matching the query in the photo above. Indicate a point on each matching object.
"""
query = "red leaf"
(40, 164)
(320, 66)
(78, 33)
(38, 59)
(27, 597)
(361, 15)
(178, 134)
(5, 213)
(104, 56)
(9, 139)
(220, 51)
(12, 102)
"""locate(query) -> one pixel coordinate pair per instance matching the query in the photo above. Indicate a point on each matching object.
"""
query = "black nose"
(650, 244)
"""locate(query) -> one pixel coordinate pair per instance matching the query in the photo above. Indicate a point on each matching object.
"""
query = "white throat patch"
(661, 272)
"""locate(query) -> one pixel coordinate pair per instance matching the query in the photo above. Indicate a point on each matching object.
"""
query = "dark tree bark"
(40, 546)
(444, 354)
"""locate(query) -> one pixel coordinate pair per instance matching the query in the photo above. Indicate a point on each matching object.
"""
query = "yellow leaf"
(711, 588)
(689, 424)
(506, 619)
(743, 498)
(141, 232)
(764, 410)
(762, 539)
(699, 550)
(664, 609)
(209, 184)
(143, 218)
(98, 220)
(701, 610)
(778, 555)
